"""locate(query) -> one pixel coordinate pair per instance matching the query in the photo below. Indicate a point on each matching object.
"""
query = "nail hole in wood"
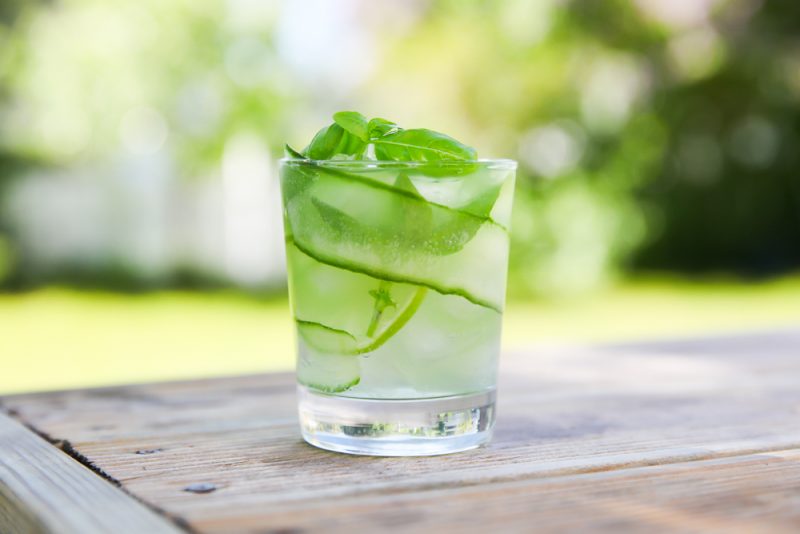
(200, 487)
(148, 451)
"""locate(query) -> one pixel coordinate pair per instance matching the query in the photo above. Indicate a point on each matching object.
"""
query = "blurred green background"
(140, 236)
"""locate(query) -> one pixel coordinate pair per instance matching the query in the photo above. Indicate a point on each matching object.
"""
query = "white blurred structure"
(121, 196)
(120, 199)
(251, 212)
(134, 213)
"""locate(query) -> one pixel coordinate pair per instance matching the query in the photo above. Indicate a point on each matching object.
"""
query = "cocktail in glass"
(397, 279)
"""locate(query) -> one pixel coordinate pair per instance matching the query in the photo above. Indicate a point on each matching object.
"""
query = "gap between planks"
(43, 490)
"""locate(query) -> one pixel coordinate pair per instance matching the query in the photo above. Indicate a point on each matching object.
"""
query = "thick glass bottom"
(419, 427)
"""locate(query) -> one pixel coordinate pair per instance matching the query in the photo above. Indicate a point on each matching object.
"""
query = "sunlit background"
(140, 233)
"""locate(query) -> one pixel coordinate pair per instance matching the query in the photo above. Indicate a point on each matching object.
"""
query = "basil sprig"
(351, 135)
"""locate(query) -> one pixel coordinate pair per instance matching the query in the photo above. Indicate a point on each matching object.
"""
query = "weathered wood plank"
(44, 490)
(566, 415)
(752, 493)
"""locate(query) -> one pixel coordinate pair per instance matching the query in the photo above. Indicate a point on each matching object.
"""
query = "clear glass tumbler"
(397, 281)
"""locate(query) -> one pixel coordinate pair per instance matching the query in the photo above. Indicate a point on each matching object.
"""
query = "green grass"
(57, 338)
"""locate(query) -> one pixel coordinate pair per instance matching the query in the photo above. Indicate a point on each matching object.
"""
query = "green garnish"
(333, 217)
(351, 135)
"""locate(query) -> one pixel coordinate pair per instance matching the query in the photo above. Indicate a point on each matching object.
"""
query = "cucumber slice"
(475, 195)
(328, 373)
(326, 338)
(348, 224)
(339, 300)
(295, 179)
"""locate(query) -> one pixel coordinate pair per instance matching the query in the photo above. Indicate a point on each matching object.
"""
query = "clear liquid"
(397, 295)
(449, 347)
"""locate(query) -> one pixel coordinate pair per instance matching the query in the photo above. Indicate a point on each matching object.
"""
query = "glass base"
(373, 427)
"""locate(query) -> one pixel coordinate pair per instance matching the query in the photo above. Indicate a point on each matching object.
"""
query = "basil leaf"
(289, 152)
(378, 128)
(421, 145)
(353, 122)
(332, 141)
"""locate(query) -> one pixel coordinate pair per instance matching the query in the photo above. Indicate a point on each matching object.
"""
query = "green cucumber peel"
(481, 215)
(378, 274)
(331, 389)
(363, 345)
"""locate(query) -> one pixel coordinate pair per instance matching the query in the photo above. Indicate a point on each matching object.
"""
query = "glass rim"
(501, 163)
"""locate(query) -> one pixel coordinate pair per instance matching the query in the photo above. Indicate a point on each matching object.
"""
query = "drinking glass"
(397, 281)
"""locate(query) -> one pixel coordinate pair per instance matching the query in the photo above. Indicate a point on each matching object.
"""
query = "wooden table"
(697, 435)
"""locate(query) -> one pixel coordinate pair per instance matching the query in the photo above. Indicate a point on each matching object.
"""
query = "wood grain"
(44, 490)
(695, 435)
(752, 493)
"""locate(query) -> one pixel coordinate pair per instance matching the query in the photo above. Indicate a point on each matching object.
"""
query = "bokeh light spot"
(754, 142)
(552, 149)
(143, 130)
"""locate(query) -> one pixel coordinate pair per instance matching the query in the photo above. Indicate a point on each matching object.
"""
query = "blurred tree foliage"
(651, 134)
(728, 192)
(12, 163)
